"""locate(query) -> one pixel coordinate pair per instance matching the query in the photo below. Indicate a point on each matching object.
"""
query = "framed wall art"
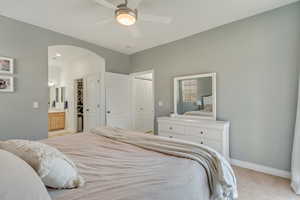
(6, 65)
(6, 84)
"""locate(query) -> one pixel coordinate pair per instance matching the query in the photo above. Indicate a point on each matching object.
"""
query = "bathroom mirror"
(195, 96)
(57, 97)
(52, 97)
(62, 94)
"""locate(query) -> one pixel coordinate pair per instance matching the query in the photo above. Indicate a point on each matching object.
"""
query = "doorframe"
(98, 97)
(109, 106)
(132, 76)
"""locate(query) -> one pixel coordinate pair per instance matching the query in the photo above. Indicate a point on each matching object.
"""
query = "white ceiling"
(80, 19)
(66, 53)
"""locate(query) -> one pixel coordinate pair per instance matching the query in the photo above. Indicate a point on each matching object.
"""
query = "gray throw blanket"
(221, 178)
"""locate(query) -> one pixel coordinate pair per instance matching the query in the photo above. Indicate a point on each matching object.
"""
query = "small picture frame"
(6, 84)
(6, 65)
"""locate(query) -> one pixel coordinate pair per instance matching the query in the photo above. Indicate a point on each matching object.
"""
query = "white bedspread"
(115, 170)
(221, 178)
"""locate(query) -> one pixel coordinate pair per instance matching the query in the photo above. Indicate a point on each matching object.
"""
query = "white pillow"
(18, 180)
(55, 168)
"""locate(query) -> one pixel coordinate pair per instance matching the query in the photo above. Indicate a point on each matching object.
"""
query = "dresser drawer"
(173, 135)
(210, 143)
(207, 133)
(172, 128)
(216, 145)
(213, 144)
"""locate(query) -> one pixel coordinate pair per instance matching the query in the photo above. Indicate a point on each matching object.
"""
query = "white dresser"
(214, 134)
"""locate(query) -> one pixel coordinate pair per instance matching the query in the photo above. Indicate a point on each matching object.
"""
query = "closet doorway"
(118, 100)
(143, 101)
(79, 102)
(87, 102)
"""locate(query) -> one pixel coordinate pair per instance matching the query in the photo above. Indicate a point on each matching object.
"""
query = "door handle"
(108, 112)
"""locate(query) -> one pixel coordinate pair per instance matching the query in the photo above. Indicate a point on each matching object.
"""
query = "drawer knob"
(171, 128)
(201, 132)
(201, 142)
(170, 136)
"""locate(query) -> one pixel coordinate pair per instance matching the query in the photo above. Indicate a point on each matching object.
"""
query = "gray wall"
(256, 61)
(29, 46)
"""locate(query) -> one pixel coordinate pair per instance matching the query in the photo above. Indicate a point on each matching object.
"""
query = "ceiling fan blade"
(134, 3)
(135, 31)
(106, 4)
(104, 21)
(156, 19)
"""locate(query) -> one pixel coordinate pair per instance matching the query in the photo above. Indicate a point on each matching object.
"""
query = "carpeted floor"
(258, 186)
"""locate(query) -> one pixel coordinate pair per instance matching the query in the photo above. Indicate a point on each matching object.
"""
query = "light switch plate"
(36, 104)
(160, 103)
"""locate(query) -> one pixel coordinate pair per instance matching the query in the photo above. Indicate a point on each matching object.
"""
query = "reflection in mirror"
(52, 97)
(62, 94)
(57, 98)
(57, 95)
(195, 97)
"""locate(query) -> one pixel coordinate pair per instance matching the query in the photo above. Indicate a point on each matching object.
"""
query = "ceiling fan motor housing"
(124, 10)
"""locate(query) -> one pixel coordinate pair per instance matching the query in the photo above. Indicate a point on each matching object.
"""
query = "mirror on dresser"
(195, 96)
(194, 118)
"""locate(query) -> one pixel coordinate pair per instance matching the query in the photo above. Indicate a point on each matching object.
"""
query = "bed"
(116, 170)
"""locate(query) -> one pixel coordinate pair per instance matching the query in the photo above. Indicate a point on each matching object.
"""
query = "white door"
(92, 109)
(144, 106)
(117, 88)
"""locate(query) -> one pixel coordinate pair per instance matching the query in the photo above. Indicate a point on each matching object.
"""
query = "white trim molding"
(261, 168)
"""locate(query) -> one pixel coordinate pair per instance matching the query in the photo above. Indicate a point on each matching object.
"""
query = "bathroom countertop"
(56, 111)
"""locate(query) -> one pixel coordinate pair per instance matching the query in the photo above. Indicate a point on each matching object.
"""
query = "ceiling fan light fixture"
(126, 16)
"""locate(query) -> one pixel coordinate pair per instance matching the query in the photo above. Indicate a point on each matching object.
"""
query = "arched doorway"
(76, 90)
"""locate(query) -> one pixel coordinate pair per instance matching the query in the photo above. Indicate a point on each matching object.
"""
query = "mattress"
(117, 171)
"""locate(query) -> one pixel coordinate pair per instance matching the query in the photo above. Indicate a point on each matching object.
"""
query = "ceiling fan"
(127, 14)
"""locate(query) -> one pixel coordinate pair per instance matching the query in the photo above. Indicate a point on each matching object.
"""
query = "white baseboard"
(261, 168)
